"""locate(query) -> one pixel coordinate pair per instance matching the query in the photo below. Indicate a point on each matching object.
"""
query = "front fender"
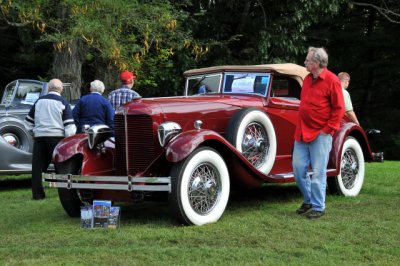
(185, 143)
(347, 129)
(12, 118)
(94, 162)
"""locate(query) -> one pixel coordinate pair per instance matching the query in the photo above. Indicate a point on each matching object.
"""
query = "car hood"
(214, 110)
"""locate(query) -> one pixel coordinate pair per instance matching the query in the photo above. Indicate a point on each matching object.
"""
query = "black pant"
(43, 148)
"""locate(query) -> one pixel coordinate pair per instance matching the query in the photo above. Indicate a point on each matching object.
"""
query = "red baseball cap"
(126, 77)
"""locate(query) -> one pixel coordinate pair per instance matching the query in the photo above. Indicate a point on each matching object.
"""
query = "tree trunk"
(109, 75)
(67, 66)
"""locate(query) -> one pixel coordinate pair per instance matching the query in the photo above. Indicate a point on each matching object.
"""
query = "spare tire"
(252, 133)
(16, 134)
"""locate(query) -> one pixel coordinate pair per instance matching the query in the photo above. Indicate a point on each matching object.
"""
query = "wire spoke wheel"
(200, 187)
(204, 188)
(349, 168)
(255, 145)
(252, 133)
(351, 178)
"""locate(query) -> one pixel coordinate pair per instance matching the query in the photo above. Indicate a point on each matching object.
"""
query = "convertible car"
(233, 128)
(15, 142)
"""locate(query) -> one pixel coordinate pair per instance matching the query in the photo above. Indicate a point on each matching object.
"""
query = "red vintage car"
(234, 126)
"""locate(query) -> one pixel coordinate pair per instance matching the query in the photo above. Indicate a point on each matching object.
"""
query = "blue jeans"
(316, 153)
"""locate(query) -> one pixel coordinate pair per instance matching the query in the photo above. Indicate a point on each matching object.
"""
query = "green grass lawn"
(258, 228)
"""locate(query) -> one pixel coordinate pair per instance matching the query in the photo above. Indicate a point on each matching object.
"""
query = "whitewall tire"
(252, 133)
(200, 187)
(352, 170)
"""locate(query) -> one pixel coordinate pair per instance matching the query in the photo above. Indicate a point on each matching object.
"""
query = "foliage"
(119, 33)
(254, 32)
(161, 39)
(259, 227)
(362, 42)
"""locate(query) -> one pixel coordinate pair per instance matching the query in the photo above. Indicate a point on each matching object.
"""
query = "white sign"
(243, 84)
(31, 97)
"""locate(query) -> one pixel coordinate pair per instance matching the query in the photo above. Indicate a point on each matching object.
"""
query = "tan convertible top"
(298, 72)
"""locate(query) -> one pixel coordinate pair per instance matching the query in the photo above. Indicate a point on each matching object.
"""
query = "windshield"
(203, 84)
(247, 83)
(22, 92)
(28, 93)
(8, 94)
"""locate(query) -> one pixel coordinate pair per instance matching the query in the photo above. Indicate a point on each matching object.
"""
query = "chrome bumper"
(127, 183)
(378, 157)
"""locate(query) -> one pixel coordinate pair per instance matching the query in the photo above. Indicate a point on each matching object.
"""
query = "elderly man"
(50, 120)
(124, 94)
(93, 109)
(321, 110)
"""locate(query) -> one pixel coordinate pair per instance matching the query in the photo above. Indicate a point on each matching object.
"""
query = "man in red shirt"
(321, 110)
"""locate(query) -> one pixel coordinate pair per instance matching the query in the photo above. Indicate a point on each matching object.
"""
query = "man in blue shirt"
(124, 94)
(93, 109)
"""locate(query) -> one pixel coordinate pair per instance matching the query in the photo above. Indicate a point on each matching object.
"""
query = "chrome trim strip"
(128, 183)
(283, 176)
(125, 187)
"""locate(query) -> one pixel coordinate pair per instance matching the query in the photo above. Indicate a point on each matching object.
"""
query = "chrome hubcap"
(349, 168)
(204, 188)
(11, 139)
(255, 144)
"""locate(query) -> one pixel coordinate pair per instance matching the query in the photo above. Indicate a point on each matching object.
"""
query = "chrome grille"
(134, 144)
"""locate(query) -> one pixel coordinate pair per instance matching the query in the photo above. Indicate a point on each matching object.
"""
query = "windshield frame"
(210, 81)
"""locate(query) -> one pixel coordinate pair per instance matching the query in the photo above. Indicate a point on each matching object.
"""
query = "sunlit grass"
(258, 228)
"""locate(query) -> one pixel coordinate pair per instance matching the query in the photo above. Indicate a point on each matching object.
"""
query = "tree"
(362, 41)
(255, 31)
(389, 10)
(112, 34)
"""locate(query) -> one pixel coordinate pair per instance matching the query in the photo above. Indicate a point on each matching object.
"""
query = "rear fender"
(94, 162)
(348, 129)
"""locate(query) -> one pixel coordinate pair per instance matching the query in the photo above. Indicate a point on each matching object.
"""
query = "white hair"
(97, 86)
(320, 55)
(55, 85)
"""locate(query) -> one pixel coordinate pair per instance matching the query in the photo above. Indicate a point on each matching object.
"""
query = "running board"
(291, 174)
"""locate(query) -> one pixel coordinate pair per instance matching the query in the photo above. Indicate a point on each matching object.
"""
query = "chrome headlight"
(166, 131)
(98, 134)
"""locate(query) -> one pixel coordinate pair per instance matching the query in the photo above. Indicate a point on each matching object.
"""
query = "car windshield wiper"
(241, 77)
(198, 82)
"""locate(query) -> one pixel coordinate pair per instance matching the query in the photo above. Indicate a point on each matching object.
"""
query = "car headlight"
(98, 134)
(166, 131)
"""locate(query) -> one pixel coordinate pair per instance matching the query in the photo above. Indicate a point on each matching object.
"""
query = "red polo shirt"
(321, 107)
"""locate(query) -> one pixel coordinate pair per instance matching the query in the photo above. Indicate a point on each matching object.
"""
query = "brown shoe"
(315, 214)
(304, 208)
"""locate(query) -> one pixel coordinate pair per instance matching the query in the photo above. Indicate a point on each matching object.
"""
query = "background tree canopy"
(79, 41)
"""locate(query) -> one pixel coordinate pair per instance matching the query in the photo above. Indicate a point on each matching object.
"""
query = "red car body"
(234, 125)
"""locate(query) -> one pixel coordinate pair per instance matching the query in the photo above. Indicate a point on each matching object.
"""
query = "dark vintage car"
(233, 127)
(15, 142)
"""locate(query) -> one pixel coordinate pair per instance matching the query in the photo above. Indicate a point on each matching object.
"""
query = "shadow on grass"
(268, 192)
(157, 210)
(10, 184)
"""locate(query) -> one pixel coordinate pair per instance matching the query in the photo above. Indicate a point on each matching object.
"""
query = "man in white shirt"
(345, 80)
(49, 120)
